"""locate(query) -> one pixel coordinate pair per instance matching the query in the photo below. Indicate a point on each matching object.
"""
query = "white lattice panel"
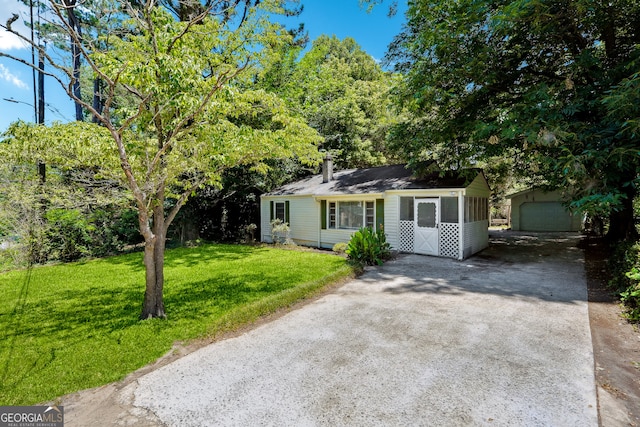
(406, 236)
(449, 238)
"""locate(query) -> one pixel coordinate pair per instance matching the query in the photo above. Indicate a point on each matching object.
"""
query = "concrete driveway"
(501, 339)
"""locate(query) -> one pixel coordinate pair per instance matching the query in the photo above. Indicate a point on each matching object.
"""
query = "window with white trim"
(351, 215)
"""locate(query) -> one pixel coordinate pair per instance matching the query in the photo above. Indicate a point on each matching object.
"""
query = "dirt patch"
(616, 344)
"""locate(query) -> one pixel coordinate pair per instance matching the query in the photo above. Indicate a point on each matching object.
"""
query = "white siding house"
(431, 214)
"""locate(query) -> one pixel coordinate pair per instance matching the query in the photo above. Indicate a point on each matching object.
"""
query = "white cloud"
(8, 76)
(9, 41)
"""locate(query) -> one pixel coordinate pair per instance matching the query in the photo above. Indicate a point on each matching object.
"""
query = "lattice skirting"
(449, 238)
(406, 236)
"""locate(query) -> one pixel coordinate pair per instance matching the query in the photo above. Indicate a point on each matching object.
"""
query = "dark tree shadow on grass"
(192, 257)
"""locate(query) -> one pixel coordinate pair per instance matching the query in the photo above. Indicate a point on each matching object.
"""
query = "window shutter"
(379, 213)
(287, 218)
(271, 211)
(323, 214)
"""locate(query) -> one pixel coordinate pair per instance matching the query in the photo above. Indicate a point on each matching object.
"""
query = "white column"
(461, 225)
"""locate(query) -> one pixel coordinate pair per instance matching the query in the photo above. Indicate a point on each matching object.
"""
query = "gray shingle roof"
(374, 180)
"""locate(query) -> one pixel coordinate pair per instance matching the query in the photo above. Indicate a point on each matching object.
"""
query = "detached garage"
(536, 210)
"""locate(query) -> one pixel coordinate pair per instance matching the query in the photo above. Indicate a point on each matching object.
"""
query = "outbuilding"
(537, 210)
(440, 214)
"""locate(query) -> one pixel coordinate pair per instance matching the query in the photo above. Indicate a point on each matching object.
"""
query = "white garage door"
(544, 216)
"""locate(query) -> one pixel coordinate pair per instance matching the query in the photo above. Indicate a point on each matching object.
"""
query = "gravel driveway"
(501, 339)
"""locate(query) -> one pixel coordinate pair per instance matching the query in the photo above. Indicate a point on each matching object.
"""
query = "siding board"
(305, 219)
(392, 220)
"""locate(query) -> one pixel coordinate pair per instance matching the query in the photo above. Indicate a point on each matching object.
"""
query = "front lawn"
(73, 326)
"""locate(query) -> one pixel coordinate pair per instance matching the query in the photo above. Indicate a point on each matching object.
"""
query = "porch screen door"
(426, 226)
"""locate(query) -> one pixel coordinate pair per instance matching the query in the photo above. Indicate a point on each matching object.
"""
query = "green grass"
(73, 326)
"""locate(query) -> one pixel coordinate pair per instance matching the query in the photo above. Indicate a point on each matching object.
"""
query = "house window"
(351, 215)
(280, 211)
(332, 215)
(370, 214)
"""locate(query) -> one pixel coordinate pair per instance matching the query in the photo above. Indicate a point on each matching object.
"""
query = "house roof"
(531, 190)
(375, 180)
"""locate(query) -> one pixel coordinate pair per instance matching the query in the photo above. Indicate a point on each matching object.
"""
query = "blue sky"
(344, 18)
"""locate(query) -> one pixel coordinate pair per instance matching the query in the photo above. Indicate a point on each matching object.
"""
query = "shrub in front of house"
(280, 232)
(368, 247)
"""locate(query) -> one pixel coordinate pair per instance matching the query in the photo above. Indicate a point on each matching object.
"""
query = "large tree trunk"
(153, 305)
(621, 222)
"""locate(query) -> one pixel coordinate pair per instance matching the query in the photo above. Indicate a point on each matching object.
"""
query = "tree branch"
(186, 29)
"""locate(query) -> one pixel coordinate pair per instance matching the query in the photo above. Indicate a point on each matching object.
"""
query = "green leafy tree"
(544, 84)
(192, 117)
(342, 93)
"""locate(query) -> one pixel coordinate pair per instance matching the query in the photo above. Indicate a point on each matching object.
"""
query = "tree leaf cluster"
(544, 85)
(341, 92)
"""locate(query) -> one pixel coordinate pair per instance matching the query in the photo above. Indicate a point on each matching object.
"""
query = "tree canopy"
(342, 93)
(547, 85)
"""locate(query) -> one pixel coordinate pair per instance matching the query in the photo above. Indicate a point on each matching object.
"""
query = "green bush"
(368, 247)
(112, 229)
(69, 234)
(36, 245)
(104, 239)
(631, 296)
(624, 265)
(11, 257)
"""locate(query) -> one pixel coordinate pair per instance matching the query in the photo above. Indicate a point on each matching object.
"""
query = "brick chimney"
(327, 168)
